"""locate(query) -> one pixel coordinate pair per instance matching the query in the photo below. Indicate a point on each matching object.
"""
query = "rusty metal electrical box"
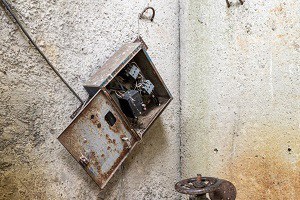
(127, 95)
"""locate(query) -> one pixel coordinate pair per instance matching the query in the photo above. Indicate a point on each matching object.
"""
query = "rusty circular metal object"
(225, 191)
(193, 186)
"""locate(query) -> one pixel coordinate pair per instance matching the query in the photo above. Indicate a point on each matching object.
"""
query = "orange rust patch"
(95, 119)
(267, 165)
(278, 9)
(122, 136)
(265, 177)
(117, 162)
(108, 139)
(93, 155)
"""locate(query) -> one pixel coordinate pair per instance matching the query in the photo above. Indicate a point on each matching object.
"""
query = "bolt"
(199, 177)
(199, 183)
(144, 106)
(83, 161)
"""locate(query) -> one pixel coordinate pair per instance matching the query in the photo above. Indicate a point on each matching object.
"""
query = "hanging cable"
(8, 8)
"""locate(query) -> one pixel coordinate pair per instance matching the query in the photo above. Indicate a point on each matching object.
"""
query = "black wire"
(8, 8)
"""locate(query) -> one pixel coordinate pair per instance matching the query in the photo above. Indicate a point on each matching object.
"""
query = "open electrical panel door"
(98, 138)
(127, 95)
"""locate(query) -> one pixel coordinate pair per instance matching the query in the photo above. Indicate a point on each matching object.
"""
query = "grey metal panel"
(97, 146)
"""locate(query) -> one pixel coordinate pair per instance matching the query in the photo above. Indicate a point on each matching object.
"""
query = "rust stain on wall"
(269, 169)
(266, 177)
(278, 9)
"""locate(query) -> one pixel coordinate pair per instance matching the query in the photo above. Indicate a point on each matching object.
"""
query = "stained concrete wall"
(240, 95)
(78, 37)
(238, 76)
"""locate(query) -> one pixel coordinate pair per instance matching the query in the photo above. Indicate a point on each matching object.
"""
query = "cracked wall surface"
(240, 95)
(78, 37)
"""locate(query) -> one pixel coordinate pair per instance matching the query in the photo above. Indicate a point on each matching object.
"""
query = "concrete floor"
(233, 72)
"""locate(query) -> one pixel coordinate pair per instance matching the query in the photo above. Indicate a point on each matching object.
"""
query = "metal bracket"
(142, 16)
(229, 4)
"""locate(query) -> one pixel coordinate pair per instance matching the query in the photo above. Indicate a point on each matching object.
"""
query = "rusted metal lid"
(113, 65)
(98, 138)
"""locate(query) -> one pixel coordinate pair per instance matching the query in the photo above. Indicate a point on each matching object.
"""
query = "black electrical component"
(135, 93)
(133, 70)
(131, 103)
(130, 72)
(147, 87)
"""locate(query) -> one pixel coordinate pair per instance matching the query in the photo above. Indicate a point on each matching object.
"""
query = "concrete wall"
(240, 95)
(78, 37)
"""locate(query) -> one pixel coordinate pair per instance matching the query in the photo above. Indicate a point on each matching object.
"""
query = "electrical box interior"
(134, 84)
(138, 93)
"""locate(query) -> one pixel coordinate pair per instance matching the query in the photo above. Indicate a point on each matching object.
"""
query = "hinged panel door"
(98, 139)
